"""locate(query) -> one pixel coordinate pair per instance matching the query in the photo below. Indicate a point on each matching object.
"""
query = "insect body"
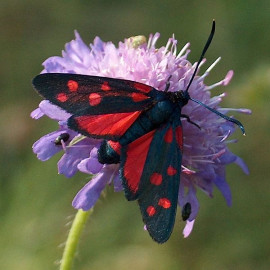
(186, 211)
(168, 106)
(142, 131)
(62, 137)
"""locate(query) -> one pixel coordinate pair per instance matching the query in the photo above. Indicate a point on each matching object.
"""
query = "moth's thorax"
(162, 111)
(180, 97)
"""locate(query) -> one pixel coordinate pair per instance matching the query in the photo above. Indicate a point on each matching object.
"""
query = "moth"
(141, 130)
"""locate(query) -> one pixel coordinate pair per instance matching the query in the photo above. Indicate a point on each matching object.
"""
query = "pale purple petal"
(45, 147)
(188, 228)
(53, 111)
(90, 193)
(91, 165)
(54, 64)
(227, 158)
(117, 183)
(36, 114)
(97, 46)
(224, 188)
(228, 78)
(240, 162)
(67, 165)
(76, 50)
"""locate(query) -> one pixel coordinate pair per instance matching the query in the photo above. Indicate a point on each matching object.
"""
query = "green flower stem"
(73, 239)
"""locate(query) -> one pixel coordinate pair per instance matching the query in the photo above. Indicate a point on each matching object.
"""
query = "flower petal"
(53, 111)
(188, 228)
(240, 162)
(90, 166)
(89, 194)
(45, 147)
(117, 183)
(36, 114)
(67, 165)
(223, 186)
(228, 77)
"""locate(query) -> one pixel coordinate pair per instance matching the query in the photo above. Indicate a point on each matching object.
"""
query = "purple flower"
(205, 153)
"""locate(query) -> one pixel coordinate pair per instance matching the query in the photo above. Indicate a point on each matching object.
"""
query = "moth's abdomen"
(108, 152)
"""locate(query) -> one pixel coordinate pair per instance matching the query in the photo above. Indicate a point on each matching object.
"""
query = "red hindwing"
(107, 126)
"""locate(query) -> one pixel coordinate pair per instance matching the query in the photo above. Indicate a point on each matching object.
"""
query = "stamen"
(76, 139)
(213, 65)
(187, 171)
(240, 110)
(225, 136)
(206, 73)
(152, 40)
(204, 161)
(219, 154)
(183, 50)
(149, 41)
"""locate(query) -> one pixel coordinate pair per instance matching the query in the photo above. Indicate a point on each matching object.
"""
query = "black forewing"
(94, 95)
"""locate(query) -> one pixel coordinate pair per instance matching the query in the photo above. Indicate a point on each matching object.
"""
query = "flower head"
(205, 150)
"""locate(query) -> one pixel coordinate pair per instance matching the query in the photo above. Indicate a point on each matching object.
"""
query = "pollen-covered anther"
(62, 97)
(165, 203)
(72, 86)
(105, 86)
(156, 179)
(94, 99)
(136, 41)
(151, 210)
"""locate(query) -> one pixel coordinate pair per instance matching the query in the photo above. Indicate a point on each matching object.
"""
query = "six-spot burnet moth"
(141, 128)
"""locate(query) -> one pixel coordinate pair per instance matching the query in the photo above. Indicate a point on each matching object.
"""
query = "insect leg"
(168, 84)
(191, 122)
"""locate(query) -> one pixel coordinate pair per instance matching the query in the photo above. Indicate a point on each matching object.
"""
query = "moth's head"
(182, 97)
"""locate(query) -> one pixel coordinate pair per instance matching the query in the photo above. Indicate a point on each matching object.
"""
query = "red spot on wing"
(171, 171)
(156, 179)
(136, 156)
(165, 203)
(138, 97)
(116, 146)
(168, 138)
(94, 99)
(142, 87)
(105, 86)
(179, 137)
(72, 86)
(150, 210)
(106, 124)
(62, 97)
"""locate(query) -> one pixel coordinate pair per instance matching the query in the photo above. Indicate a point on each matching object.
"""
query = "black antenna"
(238, 123)
(208, 42)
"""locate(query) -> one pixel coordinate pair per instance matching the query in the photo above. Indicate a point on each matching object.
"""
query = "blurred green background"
(36, 202)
